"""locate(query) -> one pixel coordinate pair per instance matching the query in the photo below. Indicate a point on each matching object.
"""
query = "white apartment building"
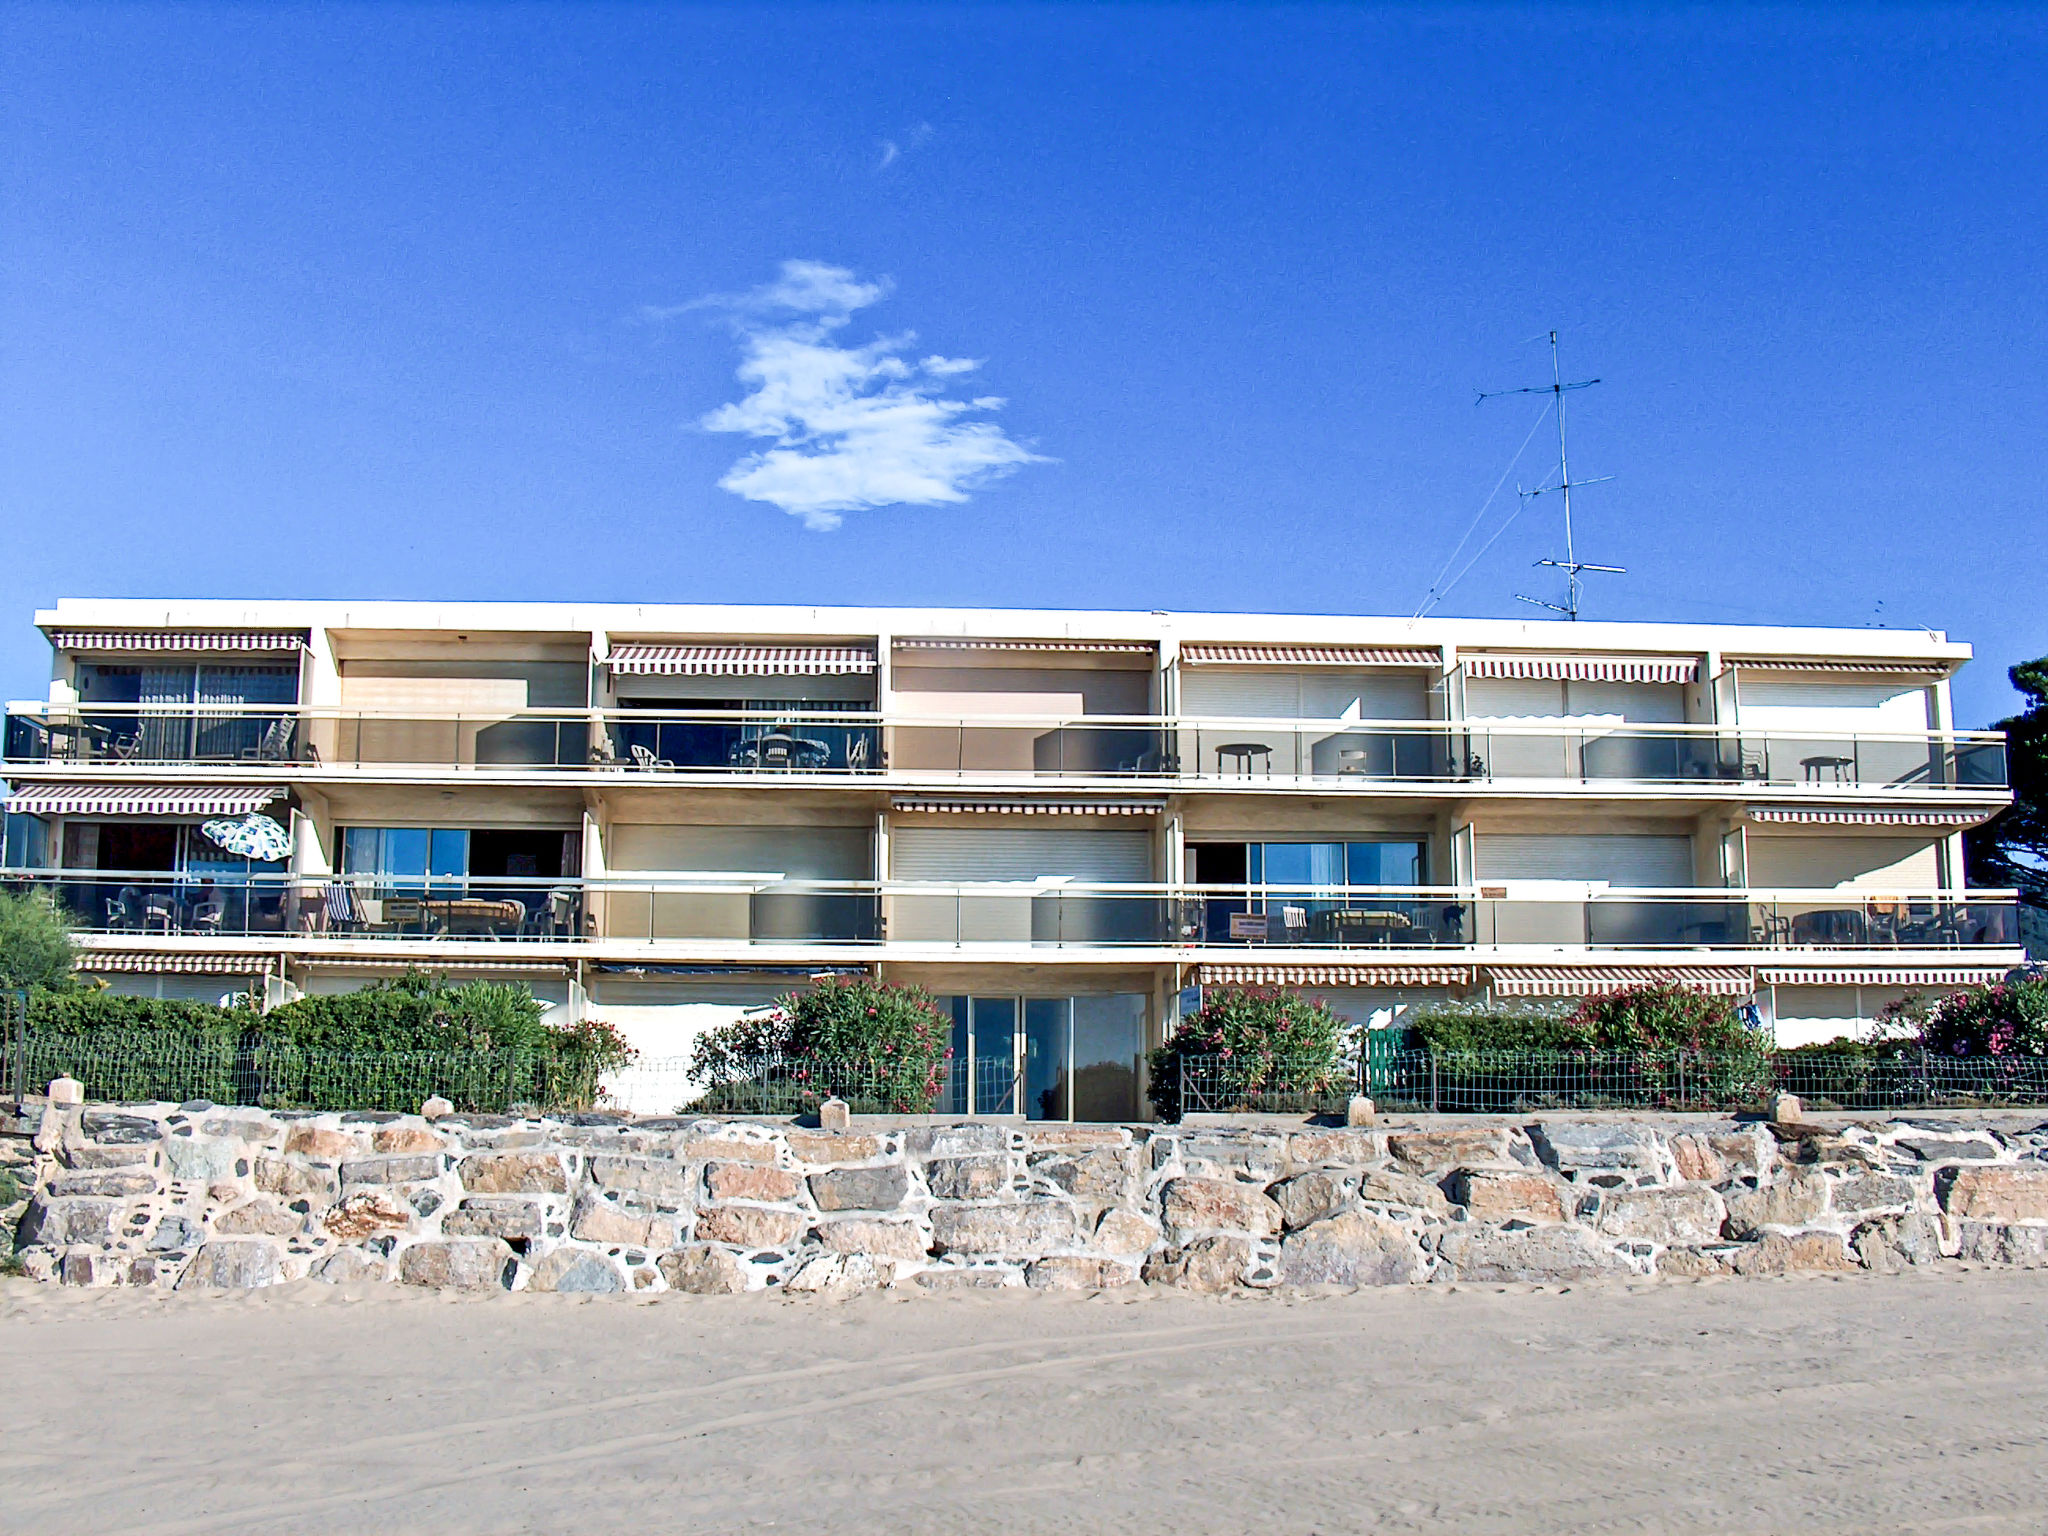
(1060, 823)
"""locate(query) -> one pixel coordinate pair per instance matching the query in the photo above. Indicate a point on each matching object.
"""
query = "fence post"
(1433, 1099)
(511, 1066)
(18, 1018)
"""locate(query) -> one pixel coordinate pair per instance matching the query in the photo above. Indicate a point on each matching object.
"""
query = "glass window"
(1385, 863)
(449, 853)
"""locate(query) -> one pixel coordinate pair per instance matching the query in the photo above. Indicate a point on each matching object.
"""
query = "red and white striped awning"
(1587, 669)
(142, 799)
(453, 965)
(635, 659)
(1022, 806)
(1933, 977)
(1047, 647)
(201, 640)
(1224, 975)
(1850, 668)
(136, 962)
(1586, 980)
(1803, 816)
(1205, 654)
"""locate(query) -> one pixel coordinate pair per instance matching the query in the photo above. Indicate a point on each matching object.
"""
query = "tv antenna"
(1571, 565)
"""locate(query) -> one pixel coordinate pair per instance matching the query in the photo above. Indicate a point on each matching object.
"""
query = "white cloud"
(851, 427)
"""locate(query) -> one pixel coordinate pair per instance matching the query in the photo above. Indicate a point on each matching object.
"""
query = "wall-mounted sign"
(1247, 925)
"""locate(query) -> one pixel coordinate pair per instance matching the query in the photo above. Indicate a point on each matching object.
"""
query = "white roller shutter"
(1240, 695)
(1795, 704)
(1019, 853)
(1626, 861)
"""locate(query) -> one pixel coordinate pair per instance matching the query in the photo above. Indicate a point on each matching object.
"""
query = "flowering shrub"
(1248, 1041)
(1664, 1016)
(885, 1046)
(2009, 1018)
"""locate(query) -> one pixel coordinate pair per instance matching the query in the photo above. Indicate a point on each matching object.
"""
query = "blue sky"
(446, 302)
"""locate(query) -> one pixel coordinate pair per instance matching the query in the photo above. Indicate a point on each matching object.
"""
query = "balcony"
(727, 914)
(737, 745)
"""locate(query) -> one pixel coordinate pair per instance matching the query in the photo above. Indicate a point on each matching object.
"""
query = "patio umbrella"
(254, 836)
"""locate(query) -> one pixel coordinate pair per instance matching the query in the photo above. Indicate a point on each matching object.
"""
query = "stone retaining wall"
(195, 1196)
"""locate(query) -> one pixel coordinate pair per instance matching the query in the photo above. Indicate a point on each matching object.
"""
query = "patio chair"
(157, 911)
(211, 913)
(276, 745)
(647, 762)
(124, 911)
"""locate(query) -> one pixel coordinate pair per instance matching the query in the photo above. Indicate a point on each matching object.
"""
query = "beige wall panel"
(1794, 862)
(798, 852)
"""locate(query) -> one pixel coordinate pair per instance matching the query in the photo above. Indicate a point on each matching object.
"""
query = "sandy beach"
(1909, 1403)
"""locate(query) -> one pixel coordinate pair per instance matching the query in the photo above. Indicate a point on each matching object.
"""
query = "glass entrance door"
(1047, 1058)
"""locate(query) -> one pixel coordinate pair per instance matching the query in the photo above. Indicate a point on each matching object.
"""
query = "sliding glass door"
(1047, 1058)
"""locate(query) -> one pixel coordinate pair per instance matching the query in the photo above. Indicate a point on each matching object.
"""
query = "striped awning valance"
(1587, 669)
(133, 962)
(458, 965)
(276, 640)
(1050, 647)
(1933, 977)
(1022, 806)
(142, 799)
(635, 659)
(1585, 980)
(1227, 975)
(1206, 654)
(1817, 817)
(1858, 668)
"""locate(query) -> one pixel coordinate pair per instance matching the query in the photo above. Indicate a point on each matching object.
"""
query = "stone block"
(462, 1264)
(1897, 1242)
(576, 1271)
(1697, 1161)
(347, 1265)
(1310, 1197)
(625, 1223)
(65, 1092)
(1998, 1242)
(1539, 1255)
(1334, 1148)
(510, 1173)
(1391, 1188)
(1440, 1151)
(1949, 1149)
(104, 1157)
(728, 1149)
(322, 1144)
(749, 1181)
(1782, 1253)
(834, 1114)
(839, 1274)
(296, 1180)
(703, 1271)
(653, 1180)
(1684, 1215)
(969, 1178)
(958, 1140)
(175, 1234)
(404, 1137)
(240, 1265)
(1994, 1194)
(1697, 1263)
(109, 1183)
(1750, 1152)
(1210, 1205)
(829, 1148)
(1572, 1147)
(243, 1127)
(411, 1169)
(201, 1160)
(749, 1226)
(1026, 1229)
(53, 1223)
(860, 1189)
(901, 1240)
(1124, 1234)
(436, 1108)
(1352, 1248)
(493, 1216)
(961, 1277)
(1504, 1194)
(112, 1128)
(259, 1218)
(1070, 1272)
(1073, 1138)
(1104, 1173)
(1795, 1200)
(1875, 1192)
(366, 1213)
(85, 1266)
(1209, 1265)
(1258, 1157)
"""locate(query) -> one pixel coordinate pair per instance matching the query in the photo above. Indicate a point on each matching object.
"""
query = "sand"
(1910, 1403)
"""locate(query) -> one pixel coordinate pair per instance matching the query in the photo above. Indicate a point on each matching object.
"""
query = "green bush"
(2009, 1018)
(1252, 1046)
(84, 1012)
(1483, 1026)
(883, 1046)
(1664, 1016)
(35, 942)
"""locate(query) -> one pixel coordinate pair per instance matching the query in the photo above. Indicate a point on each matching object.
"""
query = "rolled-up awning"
(142, 799)
(1900, 975)
(191, 640)
(1024, 806)
(1049, 647)
(1840, 668)
(1207, 654)
(1396, 975)
(458, 965)
(634, 659)
(1587, 669)
(1814, 816)
(133, 962)
(1586, 980)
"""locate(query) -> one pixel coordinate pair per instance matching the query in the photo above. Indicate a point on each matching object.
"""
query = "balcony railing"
(1050, 914)
(1143, 749)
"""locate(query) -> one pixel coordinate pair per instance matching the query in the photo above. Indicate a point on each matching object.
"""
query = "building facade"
(1061, 824)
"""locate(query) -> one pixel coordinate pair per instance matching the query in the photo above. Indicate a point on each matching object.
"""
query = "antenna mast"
(1571, 565)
